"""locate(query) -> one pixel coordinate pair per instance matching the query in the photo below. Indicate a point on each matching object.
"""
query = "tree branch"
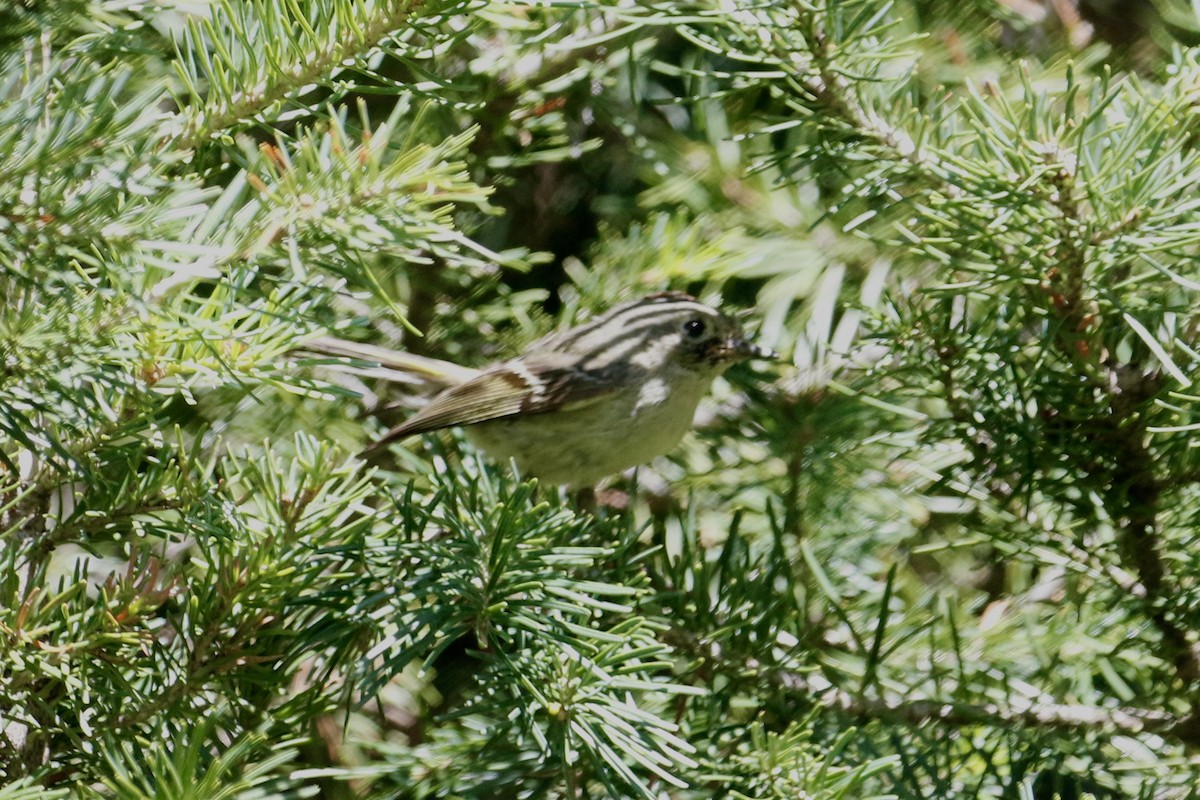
(246, 102)
(1131, 492)
(1053, 716)
(1062, 717)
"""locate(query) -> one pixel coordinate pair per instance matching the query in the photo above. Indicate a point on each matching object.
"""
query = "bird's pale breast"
(581, 446)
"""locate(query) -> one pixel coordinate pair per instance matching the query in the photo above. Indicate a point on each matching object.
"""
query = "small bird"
(596, 399)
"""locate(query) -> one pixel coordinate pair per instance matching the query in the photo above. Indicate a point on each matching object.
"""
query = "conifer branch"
(1061, 717)
(998, 542)
(342, 36)
(1134, 489)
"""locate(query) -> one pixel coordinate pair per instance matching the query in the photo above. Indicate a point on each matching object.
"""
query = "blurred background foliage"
(946, 548)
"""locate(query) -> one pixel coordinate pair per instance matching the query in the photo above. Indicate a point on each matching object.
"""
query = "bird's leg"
(585, 500)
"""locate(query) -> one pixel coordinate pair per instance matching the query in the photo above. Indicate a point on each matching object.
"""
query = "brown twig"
(1132, 491)
(1061, 717)
(1054, 716)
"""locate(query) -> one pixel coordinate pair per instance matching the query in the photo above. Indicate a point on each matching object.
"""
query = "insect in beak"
(740, 350)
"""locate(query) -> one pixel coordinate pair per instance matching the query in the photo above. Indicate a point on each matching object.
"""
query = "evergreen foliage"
(947, 549)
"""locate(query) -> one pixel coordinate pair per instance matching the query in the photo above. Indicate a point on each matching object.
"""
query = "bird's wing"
(516, 387)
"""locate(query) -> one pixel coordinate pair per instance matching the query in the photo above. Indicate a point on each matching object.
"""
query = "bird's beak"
(742, 349)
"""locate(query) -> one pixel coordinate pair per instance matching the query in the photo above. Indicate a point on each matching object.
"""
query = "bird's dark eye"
(694, 328)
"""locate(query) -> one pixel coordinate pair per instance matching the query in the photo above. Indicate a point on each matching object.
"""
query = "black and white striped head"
(664, 328)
